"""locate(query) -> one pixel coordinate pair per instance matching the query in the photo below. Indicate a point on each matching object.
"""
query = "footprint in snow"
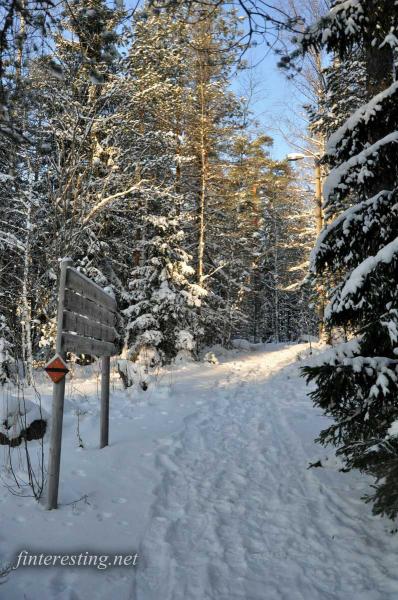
(79, 472)
(119, 500)
(104, 515)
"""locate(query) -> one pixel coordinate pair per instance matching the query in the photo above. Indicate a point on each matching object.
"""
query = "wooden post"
(105, 375)
(58, 401)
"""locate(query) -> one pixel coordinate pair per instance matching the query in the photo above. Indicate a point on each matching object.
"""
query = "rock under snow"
(21, 419)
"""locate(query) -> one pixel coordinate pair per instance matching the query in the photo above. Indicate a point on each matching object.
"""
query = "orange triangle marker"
(56, 368)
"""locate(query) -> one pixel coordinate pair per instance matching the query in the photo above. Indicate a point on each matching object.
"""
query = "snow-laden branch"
(359, 275)
(346, 217)
(11, 240)
(385, 255)
(105, 201)
(222, 266)
(336, 176)
(361, 116)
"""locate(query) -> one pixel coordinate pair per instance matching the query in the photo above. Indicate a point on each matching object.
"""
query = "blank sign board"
(88, 317)
(85, 325)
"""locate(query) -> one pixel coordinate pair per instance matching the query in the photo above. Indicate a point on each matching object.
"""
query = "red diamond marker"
(56, 368)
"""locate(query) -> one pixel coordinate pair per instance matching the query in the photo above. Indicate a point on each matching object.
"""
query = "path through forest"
(206, 477)
(238, 515)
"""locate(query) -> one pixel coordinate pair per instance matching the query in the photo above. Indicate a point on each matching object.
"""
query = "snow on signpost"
(85, 325)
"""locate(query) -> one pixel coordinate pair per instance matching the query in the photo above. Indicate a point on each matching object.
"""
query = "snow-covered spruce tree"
(162, 319)
(75, 103)
(357, 382)
(163, 301)
(345, 91)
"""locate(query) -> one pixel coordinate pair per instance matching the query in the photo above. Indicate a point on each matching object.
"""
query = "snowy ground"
(206, 478)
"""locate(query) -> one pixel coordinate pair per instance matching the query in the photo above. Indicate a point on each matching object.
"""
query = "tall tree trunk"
(26, 311)
(203, 179)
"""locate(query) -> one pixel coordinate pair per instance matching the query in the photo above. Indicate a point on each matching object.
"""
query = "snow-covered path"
(206, 476)
(238, 515)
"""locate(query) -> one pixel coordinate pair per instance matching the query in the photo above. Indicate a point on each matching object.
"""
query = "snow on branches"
(356, 255)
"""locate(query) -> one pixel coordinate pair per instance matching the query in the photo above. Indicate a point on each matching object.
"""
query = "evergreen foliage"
(357, 252)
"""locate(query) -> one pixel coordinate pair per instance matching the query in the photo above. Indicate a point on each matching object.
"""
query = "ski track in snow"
(237, 515)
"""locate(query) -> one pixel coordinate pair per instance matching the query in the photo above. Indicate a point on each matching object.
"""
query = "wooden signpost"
(85, 325)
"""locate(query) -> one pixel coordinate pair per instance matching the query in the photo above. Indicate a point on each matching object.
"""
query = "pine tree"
(248, 175)
(212, 111)
(213, 114)
(265, 254)
(287, 235)
(162, 300)
(357, 253)
(181, 63)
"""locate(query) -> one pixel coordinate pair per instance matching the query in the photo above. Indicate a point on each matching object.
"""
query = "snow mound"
(245, 345)
(21, 418)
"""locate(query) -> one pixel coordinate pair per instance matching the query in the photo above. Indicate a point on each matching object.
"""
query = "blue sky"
(275, 97)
